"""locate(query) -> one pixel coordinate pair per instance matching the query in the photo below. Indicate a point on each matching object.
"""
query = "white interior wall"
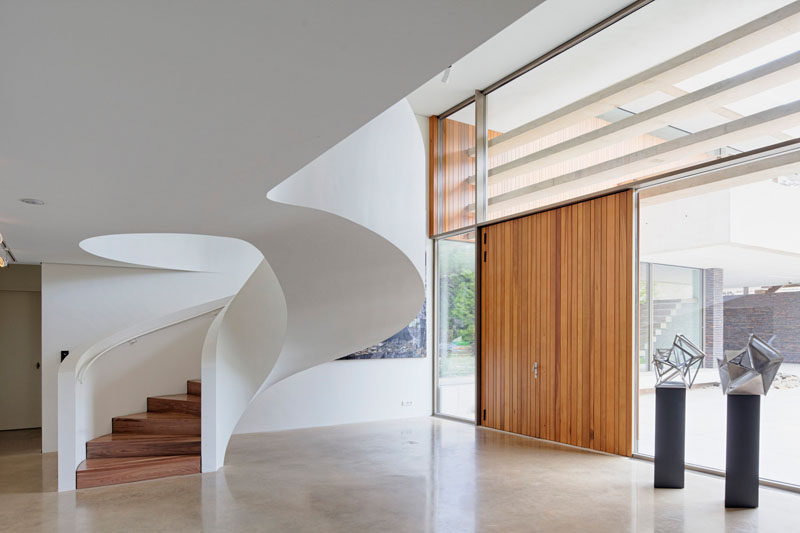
(156, 364)
(85, 304)
(672, 225)
(764, 215)
(344, 392)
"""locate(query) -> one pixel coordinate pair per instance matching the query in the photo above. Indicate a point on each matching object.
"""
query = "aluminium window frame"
(436, 411)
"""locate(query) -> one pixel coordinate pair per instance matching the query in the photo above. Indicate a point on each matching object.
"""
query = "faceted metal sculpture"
(752, 370)
(680, 362)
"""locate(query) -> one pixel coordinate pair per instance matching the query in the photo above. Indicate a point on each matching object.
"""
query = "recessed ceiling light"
(31, 201)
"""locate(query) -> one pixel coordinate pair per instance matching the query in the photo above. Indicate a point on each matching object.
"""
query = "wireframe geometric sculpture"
(752, 370)
(681, 361)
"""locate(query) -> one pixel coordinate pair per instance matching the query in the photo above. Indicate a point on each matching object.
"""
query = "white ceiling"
(549, 24)
(747, 229)
(655, 33)
(742, 266)
(647, 37)
(139, 117)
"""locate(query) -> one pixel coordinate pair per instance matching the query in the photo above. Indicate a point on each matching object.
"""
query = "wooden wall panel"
(556, 289)
(454, 199)
(457, 166)
(433, 172)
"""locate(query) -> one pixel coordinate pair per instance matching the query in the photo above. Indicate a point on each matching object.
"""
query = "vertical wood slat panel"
(552, 282)
(556, 289)
(433, 173)
(450, 202)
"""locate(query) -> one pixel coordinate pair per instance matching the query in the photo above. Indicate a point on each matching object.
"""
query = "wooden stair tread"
(179, 397)
(106, 463)
(163, 441)
(114, 470)
(178, 403)
(158, 423)
(156, 415)
(115, 437)
(193, 386)
(142, 445)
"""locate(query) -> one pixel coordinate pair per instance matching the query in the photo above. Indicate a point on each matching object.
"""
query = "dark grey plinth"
(670, 436)
(742, 442)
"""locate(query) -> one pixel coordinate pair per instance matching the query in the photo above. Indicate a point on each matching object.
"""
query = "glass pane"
(605, 114)
(645, 330)
(724, 263)
(456, 187)
(676, 305)
(455, 383)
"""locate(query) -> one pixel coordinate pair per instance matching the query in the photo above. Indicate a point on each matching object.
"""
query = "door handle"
(535, 370)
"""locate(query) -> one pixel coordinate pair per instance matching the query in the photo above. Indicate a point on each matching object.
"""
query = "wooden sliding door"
(556, 323)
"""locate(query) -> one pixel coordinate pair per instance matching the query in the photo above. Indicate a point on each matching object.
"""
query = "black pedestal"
(670, 436)
(741, 462)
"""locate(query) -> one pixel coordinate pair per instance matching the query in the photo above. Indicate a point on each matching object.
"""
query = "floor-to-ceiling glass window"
(603, 115)
(455, 326)
(670, 299)
(724, 263)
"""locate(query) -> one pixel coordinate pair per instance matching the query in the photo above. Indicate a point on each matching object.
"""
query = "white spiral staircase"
(341, 270)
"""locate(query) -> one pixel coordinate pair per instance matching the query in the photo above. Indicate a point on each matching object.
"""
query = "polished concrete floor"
(412, 475)
(18, 441)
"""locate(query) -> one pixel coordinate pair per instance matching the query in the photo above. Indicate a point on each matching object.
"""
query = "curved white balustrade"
(80, 365)
(375, 178)
(130, 365)
(239, 351)
(342, 270)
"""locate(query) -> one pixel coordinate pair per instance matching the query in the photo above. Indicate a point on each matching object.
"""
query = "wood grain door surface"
(556, 324)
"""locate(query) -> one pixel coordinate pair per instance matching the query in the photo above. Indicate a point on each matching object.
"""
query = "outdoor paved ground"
(705, 427)
(705, 421)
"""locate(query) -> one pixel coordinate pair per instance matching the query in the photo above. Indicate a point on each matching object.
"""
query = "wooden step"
(111, 471)
(177, 403)
(135, 445)
(193, 386)
(157, 424)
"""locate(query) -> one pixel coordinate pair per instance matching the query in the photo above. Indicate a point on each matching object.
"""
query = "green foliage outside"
(461, 307)
(457, 289)
(457, 278)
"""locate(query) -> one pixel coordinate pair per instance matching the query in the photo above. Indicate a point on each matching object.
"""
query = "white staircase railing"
(76, 412)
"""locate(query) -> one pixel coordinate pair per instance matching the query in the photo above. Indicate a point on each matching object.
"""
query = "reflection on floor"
(23, 469)
(18, 441)
(421, 474)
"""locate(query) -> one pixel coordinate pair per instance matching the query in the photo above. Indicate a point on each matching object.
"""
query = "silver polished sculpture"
(752, 370)
(680, 362)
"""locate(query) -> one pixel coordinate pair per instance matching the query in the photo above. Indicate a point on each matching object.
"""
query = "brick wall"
(764, 315)
(712, 315)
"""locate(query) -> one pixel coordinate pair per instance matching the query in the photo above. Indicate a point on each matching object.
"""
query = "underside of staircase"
(164, 441)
